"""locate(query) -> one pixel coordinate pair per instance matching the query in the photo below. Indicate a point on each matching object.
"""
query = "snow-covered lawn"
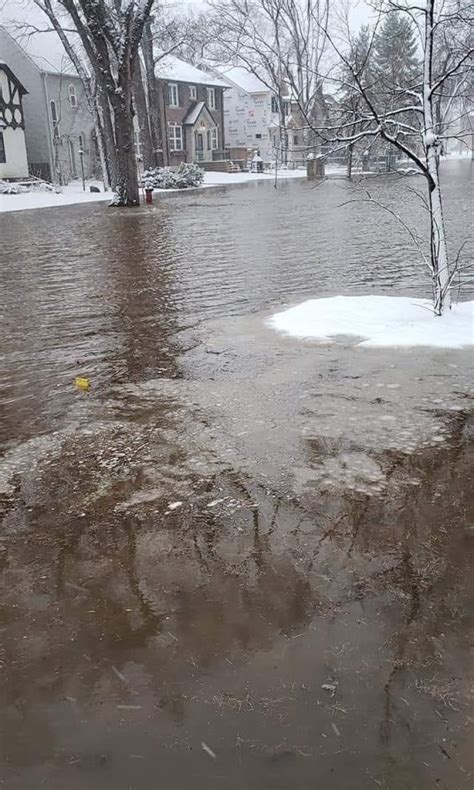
(73, 193)
(379, 320)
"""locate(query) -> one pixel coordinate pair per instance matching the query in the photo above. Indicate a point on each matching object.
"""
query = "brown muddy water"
(240, 561)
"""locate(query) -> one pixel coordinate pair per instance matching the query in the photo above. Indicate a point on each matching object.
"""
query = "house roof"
(45, 49)
(193, 113)
(241, 78)
(4, 67)
(175, 70)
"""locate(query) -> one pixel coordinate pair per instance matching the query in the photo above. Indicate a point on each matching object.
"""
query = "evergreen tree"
(359, 68)
(395, 59)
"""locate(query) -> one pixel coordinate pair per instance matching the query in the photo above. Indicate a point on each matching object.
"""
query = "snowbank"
(380, 320)
(73, 193)
(40, 198)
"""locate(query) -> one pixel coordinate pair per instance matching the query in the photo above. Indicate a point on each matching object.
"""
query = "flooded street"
(239, 561)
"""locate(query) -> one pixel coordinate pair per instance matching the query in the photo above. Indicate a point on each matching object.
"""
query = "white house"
(13, 159)
(251, 116)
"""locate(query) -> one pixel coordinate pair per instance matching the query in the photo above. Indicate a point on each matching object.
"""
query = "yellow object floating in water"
(81, 383)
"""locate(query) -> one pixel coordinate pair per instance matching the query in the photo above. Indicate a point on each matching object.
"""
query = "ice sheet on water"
(383, 321)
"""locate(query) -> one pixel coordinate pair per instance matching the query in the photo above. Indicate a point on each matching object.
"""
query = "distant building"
(58, 122)
(251, 117)
(13, 160)
(192, 112)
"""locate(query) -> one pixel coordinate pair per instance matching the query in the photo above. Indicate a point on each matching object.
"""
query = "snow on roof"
(47, 52)
(242, 78)
(174, 69)
(23, 21)
(194, 114)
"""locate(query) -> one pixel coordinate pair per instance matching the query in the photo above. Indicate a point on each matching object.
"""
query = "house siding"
(247, 115)
(43, 87)
(73, 122)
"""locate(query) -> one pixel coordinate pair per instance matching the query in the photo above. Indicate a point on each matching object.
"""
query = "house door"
(72, 159)
(199, 145)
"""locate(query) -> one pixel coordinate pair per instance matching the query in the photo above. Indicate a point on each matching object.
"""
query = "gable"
(11, 93)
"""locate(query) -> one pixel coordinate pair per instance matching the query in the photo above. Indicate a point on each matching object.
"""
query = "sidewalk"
(73, 192)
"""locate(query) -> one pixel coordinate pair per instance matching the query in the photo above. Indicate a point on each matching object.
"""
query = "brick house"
(192, 113)
(57, 120)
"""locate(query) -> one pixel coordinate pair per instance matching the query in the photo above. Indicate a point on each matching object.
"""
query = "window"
(295, 139)
(193, 92)
(176, 138)
(211, 98)
(258, 136)
(81, 142)
(72, 95)
(3, 156)
(54, 112)
(274, 104)
(173, 95)
(212, 139)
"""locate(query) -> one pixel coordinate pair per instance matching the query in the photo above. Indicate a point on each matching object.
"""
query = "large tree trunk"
(153, 93)
(126, 188)
(147, 150)
(438, 246)
(105, 116)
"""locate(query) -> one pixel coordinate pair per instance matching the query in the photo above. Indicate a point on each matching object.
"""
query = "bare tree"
(67, 35)
(410, 127)
(110, 32)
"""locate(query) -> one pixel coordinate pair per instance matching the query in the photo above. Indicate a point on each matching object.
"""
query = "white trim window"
(173, 95)
(212, 139)
(175, 137)
(193, 94)
(211, 98)
(72, 95)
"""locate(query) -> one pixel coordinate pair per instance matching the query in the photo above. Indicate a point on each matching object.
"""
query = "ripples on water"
(99, 292)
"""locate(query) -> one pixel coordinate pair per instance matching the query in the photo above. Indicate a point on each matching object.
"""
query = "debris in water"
(82, 383)
(332, 687)
(215, 502)
(208, 750)
(336, 729)
(119, 674)
(174, 505)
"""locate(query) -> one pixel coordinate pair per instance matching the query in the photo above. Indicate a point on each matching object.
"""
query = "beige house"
(13, 159)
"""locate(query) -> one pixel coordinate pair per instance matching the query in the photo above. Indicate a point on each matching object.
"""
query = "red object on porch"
(148, 196)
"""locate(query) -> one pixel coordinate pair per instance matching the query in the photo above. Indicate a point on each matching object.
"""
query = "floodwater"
(239, 561)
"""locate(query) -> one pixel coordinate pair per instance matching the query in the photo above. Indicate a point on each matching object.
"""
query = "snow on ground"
(73, 192)
(42, 198)
(382, 320)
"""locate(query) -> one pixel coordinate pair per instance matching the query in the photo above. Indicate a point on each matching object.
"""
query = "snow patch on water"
(380, 321)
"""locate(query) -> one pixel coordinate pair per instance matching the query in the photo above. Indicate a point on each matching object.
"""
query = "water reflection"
(104, 293)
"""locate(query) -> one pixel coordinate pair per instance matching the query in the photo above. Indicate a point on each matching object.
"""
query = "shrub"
(187, 175)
